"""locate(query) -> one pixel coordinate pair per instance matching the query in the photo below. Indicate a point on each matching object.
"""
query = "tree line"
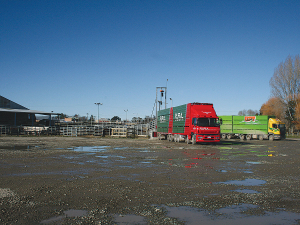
(284, 102)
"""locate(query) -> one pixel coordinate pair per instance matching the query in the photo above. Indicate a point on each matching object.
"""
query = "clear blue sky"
(64, 56)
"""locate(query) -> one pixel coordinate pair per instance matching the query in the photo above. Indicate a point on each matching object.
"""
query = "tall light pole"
(126, 113)
(163, 91)
(98, 103)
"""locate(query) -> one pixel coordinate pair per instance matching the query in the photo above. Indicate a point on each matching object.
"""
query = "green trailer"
(252, 127)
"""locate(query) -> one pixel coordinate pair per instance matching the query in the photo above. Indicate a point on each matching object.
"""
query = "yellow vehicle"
(277, 128)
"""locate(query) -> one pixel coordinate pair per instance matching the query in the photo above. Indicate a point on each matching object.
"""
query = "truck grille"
(282, 133)
(208, 137)
(208, 132)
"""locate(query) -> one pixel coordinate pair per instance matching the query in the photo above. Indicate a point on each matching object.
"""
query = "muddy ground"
(87, 180)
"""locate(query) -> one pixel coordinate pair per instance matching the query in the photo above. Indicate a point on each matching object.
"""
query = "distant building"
(14, 114)
(8, 104)
(68, 120)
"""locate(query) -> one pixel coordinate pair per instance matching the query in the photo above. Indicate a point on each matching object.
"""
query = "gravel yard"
(87, 180)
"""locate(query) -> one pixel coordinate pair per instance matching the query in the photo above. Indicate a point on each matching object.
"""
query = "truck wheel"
(179, 138)
(248, 137)
(223, 136)
(271, 137)
(261, 137)
(228, 136)
(187, 139)
(242, 137)
(169, 137)
(176, 138)
(194, 139)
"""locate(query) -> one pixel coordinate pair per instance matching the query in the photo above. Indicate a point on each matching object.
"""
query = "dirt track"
(46, 179)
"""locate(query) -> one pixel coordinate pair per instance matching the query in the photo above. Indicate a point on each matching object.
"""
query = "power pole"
(98, 103)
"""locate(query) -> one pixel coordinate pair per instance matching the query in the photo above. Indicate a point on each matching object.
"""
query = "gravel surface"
(87, 180)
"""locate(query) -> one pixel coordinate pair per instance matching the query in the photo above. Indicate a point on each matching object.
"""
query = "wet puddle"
(239, 151)
(200, 159)
(120, 148)
(247, 171)
(246, 182)
(129, 219)
(144, 150)
(110, 156)
(20, 147)
(254, 163)
(69, 213)
(246, 191)
(234, 170)
(90, 148)
(233, 215)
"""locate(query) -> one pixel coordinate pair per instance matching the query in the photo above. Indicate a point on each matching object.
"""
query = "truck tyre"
(169, 137)
(179, 138)
(187, 139)
(242, 137)
(194, 139)
(248, 137)
(224, 136)
(271, 137)
(261, 137)
(228, 136)
(176, 138)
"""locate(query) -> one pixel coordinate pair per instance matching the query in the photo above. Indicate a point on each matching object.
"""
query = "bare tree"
(242, 112)
(248, 112)
(285, 85)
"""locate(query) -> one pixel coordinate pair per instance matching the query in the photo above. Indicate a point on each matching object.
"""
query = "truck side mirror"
(194, 121)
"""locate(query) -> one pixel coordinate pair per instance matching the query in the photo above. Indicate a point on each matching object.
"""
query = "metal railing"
(4, 130)
(119, 132)
(79, 130)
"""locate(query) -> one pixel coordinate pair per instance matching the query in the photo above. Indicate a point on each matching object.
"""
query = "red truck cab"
(192, 122)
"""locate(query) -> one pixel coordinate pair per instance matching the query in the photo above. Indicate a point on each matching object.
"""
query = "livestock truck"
(192, 122)
(252, 127)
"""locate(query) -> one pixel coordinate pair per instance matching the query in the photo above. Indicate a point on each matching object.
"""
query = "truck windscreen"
(206, 122)
(280, 126)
